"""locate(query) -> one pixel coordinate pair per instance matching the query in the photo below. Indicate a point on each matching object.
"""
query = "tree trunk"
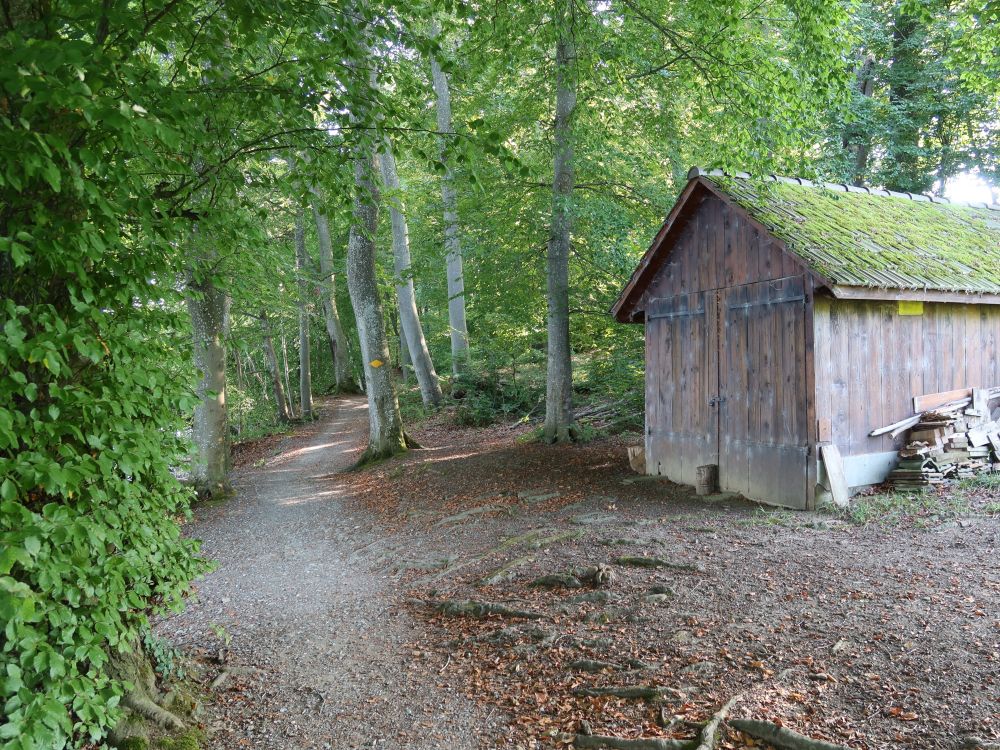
(209, 309)
(339, 347)
(858, 139)
(405, 365)
(302, 267)
(284, 364)
(423, 367)
(906, 87)
(452, 242)
(559, 378)
(385, 435)
(272, 365)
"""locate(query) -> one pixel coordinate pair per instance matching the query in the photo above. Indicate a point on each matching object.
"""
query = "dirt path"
(318, 650)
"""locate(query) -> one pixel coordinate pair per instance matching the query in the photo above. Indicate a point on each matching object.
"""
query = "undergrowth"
(919, 508)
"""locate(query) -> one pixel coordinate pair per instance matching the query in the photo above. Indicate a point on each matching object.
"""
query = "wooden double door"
(726, 384)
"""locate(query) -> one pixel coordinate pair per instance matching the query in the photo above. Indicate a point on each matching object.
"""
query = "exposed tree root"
(591, 665)
(643, 692)
(621, 743)
(781, 737)
(656, 562)
(707, 738)
(481, 610)
(556, 580)
(709, 734)
(149, 710)
(597, 576)
(506, 571)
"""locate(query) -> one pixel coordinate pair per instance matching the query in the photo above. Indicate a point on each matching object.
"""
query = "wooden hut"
(782, 315)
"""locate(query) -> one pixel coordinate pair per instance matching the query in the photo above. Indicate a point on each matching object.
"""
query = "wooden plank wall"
(681, 377)
(871, 362)
(764, 431)
(719, 249)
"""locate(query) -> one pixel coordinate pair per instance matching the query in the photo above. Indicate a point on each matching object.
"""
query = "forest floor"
(877, 629)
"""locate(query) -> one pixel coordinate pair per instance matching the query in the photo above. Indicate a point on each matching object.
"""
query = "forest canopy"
(211, 211)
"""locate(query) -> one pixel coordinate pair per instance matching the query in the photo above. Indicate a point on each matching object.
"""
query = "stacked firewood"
(953, 441)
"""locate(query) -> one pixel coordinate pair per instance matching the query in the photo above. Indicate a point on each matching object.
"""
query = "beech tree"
(305, 365)
(412, 339)
(452, 241)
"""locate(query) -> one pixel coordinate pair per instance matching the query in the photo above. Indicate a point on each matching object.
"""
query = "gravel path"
(319, 654)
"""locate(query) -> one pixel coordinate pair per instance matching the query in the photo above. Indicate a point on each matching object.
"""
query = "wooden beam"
(934, 400)
(834, 465)
(915, 295)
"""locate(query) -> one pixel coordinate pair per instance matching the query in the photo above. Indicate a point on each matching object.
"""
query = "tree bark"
(559, 377)
(288, 382)
(452, 241)
(209, 309)
(413, 332)
(385, 436)
(405, 365)
(855, 138)
(272, 365)
(302, 267)
(339, 346)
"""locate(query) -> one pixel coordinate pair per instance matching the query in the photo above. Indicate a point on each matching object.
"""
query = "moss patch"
(862, 239)
(190, 740)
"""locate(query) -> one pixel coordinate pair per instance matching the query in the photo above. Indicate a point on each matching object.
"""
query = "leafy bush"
(484, 397)
(90, 413)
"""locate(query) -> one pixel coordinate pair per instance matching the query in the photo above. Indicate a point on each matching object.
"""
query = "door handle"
(716, 400)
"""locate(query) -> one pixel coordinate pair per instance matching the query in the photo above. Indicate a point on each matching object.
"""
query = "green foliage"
(167, 660)
(920, 509)
(489, 393)
(925, 98)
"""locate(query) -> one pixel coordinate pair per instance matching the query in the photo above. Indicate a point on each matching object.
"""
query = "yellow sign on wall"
(909, 307)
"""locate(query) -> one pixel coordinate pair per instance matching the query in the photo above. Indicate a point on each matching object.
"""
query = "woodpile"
(957, 439)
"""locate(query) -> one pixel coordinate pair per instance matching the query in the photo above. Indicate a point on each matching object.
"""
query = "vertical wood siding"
(870, 362)
(717, 249)
(727, 358)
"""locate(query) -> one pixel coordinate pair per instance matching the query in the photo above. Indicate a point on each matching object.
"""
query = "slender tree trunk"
(209, 309)
(405, 364)
(386, 435)
(305, 368)
(559, 378)
(452, 241)
(906, 89)
(339, 345)
(286, 373)
(272, 365)
(858, 139)
(423, 367)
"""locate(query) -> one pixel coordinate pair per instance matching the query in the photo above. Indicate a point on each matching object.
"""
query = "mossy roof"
(873, 238)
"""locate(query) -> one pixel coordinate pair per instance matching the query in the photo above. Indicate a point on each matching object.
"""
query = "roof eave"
(916, 295)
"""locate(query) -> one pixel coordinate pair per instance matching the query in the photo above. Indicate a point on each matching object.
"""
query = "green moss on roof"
(872, 240)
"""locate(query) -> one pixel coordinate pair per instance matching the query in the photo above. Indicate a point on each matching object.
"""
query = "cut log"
(780, 737)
